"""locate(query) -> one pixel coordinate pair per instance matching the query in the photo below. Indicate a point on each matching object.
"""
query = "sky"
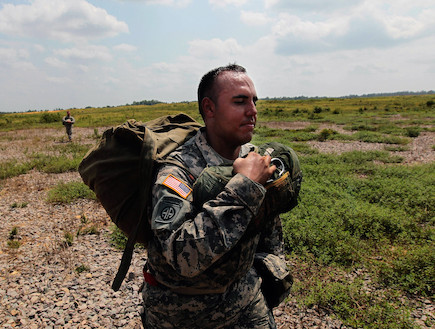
(60, 54)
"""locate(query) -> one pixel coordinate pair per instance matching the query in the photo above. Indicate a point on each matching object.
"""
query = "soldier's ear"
(208, 107)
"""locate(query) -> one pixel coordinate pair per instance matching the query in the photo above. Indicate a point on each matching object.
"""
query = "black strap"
(127, 255)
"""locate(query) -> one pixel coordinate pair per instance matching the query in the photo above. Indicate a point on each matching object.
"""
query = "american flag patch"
(178, 186)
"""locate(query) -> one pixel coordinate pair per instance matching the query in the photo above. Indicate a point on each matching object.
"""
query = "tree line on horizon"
(398, 93)
(284, 98)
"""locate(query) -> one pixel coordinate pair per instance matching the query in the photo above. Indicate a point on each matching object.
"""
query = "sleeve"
(190, 239)
(271, 239)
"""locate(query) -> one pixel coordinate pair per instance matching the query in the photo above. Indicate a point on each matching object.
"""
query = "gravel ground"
(41, 285)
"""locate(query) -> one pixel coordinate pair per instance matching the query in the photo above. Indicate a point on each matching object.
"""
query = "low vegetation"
(69, 192)
(55, 159)
(358, 214)
(361, 241)
(13, 240)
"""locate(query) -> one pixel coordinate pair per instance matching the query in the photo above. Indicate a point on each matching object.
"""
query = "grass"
(19, 205)
(351, 301)
(62, 159)
(68, 239)
(12, 242)
(355, 212)
(69, 192)
(362, 236)
(82, 268)
(118, 238)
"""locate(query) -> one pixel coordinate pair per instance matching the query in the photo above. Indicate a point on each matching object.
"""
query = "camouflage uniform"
(202, 259)
(68, 125)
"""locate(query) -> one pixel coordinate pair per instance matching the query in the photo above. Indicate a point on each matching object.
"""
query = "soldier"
(199, 271)
(68, 121)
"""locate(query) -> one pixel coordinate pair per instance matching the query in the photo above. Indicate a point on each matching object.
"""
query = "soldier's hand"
(255, 167)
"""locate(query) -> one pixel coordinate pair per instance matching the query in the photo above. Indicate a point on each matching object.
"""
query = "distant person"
(68, 122)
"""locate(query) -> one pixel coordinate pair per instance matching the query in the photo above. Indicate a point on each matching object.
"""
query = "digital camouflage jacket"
(205, 250)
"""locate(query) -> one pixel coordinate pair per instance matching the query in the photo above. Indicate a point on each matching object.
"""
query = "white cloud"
(224, 3)
(214, 48)
(59, 80)
(15, 58)
(125, 47)
(85, 53)
(293, 25)
(55, 62)
(312, 5)
(270, 3)
(371, 24)
(62, 20)
(254, 18)
(403, 27)
(176, 3)
(39, 48)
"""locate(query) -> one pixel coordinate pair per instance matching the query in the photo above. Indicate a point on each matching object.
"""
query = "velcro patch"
(178, 186)
(167, 212)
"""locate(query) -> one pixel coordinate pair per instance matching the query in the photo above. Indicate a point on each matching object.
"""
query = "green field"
(361, 240)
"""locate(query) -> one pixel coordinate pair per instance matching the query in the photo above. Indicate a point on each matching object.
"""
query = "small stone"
(278, 313)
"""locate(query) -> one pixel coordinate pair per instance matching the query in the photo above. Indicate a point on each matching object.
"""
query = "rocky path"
(45, 283)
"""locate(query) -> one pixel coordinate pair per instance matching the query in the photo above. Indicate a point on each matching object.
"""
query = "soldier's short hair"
(206, 86)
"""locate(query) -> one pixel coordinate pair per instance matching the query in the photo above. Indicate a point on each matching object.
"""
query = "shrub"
(410, 270)
(82, 268)
(317, 109)
(326, 134)
(50, 117)
(13, 233)
(375, 137)
(13, 168)
(412, 131)
(69, 192)
(19, 205)
(351, 303)
(68, 239)
(14, 244)
(88, 230)
(117, 238)
(309, 129)
(96, 134)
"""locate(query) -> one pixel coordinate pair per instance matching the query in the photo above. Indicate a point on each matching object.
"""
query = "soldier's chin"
(247, 138)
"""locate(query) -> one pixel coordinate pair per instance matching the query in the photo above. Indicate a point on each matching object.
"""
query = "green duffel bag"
(120, 170)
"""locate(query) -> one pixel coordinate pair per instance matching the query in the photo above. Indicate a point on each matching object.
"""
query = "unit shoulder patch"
(178, 186)
(167, 212)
